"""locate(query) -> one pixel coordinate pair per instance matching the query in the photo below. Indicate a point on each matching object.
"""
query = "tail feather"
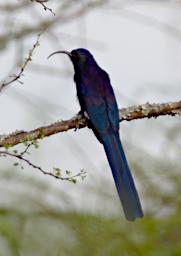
(122, 177)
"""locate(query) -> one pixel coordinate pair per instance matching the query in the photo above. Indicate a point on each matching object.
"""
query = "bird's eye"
(74, 55)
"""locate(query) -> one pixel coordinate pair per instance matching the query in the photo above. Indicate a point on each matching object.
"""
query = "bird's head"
(81, 58)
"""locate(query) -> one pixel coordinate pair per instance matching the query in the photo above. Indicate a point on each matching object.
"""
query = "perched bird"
(97, 100)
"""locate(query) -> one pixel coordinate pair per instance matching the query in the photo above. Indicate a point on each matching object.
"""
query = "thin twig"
(42, 2)
(62, 17)
(27, 148)
(82, 173)
(27, 60)
(126, 114)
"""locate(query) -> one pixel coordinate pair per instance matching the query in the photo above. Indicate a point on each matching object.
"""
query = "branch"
(10, 7)
(57, 174)
(42, 2)
(63, 16)
(126, 114)
(24, 65)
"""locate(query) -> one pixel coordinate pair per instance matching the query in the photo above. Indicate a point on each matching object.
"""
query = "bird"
(98, 103)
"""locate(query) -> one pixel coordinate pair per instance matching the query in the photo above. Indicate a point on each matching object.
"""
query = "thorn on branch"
(42, 2)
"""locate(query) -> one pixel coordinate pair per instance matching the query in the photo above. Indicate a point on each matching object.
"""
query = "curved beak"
(65, 52)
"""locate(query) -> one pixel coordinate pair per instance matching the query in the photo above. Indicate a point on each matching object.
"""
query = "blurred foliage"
(57, 233)
(31, 226)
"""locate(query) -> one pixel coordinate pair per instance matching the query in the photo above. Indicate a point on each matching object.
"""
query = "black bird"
(97, 100)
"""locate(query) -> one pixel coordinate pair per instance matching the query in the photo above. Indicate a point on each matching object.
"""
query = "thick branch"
(126, 114)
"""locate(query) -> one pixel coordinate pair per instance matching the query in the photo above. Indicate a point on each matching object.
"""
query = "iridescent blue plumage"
(97, 99)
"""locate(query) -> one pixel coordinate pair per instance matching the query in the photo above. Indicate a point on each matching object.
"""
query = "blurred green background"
(30, 225)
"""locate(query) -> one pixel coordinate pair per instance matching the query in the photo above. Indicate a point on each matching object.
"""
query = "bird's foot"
(81, 117)
(84, 114)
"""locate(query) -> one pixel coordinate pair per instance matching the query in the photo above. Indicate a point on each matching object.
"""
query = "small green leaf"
(7, 146)
(36, 145)
(42, 135)
(57, 171)
(25, 143)
(67, 172)
(16, 164)
(83, 177)
(73, 180)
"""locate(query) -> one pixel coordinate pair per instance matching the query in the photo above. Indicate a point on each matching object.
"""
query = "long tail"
(122, 177)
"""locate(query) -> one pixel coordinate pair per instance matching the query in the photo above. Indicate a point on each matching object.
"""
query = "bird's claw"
(79, 116)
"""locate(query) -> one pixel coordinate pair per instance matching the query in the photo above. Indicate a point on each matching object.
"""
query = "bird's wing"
(96, 109)
(112, 108)
(103, 112)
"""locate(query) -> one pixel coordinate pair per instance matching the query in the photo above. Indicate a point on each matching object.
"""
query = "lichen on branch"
(126, 114)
